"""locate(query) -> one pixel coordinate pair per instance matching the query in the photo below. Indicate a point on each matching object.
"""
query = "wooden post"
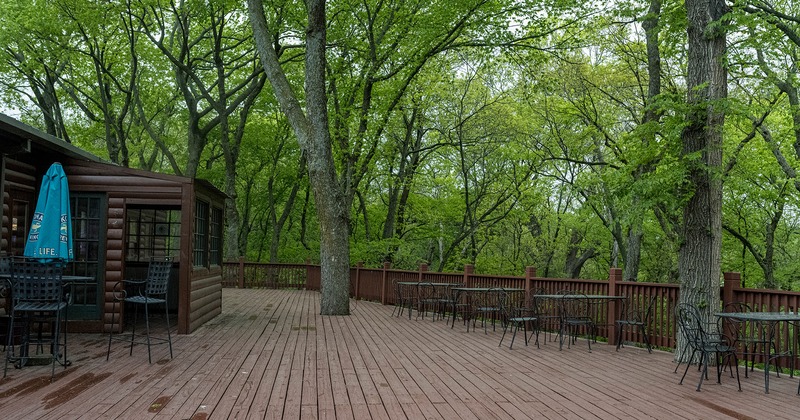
(530, 273)
(468, 270)
(357, 291)
(614, 276)
(423, 267)
(240, 279)
(731, 280)
(385, 282)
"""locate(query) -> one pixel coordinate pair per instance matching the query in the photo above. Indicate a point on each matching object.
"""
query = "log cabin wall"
(205, 296)
(18, 176)
(205, 291)
(114, 264)
(26, 154)
(199, 288)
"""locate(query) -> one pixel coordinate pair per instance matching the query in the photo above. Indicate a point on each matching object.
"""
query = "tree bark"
(313, 135)
(699, 254)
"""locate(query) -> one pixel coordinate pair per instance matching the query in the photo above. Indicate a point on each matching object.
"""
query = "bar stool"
(147, 292)
(37, 296)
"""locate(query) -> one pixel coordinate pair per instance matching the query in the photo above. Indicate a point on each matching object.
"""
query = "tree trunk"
(633, 256)
(699, 255)
(314, 137)
(652, 115)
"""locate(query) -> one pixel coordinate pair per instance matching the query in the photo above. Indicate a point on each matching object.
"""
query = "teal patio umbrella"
(50, 237)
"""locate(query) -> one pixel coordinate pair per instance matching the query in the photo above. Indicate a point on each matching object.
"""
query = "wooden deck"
(270, 355)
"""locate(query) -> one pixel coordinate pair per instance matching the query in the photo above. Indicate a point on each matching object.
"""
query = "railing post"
(240, 274)
(357, 291)
(314, 284)
(468, 270)
(423, 267)
(530, 273)
(614, 276)
(731, 281)
(385, 281)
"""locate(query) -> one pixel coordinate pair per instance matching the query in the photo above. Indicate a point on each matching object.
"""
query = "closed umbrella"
(50, 237)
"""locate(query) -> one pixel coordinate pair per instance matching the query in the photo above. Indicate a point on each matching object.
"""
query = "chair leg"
(702, 367)
(704, 373)
(114, 321)
(683, 353)
(146, 332)
(735, 363)
(54, 347)
(525, 331)
(169, 335)
(514, 327)
(688, 363)
(133, 327)
(647, 340)
(592, 336)
(66, 360)
(10, 342)
(111, 332)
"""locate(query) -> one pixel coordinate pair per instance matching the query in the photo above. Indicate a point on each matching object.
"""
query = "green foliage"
(503, 134)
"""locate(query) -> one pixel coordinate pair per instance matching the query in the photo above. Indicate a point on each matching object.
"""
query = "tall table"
(769, 321)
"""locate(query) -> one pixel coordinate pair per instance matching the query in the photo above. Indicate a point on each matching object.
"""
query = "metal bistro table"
(469, 291)
(769, 321)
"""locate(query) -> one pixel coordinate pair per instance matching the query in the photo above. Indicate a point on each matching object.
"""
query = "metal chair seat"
(40, 306)
(144, 300)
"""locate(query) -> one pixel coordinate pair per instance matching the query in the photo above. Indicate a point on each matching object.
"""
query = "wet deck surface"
(270, 355)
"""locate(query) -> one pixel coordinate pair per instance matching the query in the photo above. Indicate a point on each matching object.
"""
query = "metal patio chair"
(37, 297)
(704, 345)
(576, 314)
(145, 293)
(636, 317)
(516, 314)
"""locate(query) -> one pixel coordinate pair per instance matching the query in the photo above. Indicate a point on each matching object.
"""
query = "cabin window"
(152, 232)
(201, 230)
(215, 243)
(88, 239)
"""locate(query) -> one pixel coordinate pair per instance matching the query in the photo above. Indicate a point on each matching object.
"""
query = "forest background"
(503, 134)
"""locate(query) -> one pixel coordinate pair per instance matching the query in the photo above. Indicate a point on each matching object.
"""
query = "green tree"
(699, 254)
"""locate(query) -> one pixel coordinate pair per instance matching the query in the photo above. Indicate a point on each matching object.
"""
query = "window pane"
(88, 214)
(200, 234)
(152, 232)
(215, 245)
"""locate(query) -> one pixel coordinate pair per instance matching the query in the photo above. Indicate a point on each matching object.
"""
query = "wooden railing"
(250, 275)
(375, 284)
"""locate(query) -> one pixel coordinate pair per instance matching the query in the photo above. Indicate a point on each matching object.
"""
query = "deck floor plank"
(271, 355)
